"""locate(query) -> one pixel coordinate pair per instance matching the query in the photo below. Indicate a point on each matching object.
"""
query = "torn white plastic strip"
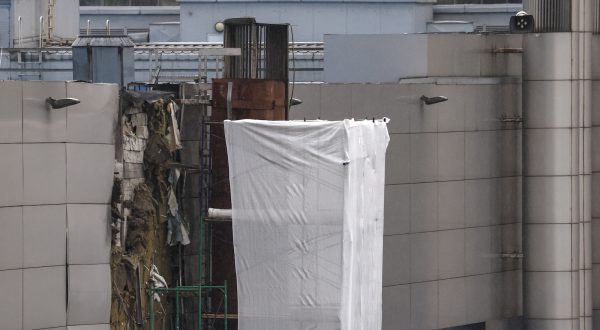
(307, 207)
(157, 281)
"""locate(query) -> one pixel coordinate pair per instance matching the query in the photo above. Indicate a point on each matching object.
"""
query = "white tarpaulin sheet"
(307, 203)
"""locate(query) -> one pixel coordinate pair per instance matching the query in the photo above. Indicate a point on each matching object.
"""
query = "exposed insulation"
(141, 210)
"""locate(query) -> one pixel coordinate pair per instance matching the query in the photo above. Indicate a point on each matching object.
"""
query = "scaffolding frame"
(206, 181)
(253, 51)
(178, 290)
(199, 290)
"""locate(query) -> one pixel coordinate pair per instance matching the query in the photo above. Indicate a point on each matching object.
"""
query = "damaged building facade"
(490, 217)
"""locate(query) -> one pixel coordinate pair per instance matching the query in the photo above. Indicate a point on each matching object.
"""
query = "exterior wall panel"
(47, 242)
(445, 231)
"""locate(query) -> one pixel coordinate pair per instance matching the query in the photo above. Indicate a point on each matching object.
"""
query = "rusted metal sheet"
(251, 98)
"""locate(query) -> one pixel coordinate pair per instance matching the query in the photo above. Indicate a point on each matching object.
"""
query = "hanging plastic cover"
(307, 210)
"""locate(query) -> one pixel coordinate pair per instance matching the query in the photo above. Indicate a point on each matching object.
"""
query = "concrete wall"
(453, 196)
(453, 218)
(66, 17)
(5, 26)
(390, 58)
(130, 17)
(310, 20)
(557, 167)
(557, 182)
(55, 186)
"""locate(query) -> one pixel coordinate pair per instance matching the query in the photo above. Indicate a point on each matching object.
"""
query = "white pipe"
(107, 23)
(124, 231)
(219, 213)
(87, 31)
(20, 33)
(41, 31)
(117, 233)
(229, 101)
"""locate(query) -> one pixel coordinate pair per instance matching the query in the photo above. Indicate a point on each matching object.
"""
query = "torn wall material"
(148, 225)
(307, 203)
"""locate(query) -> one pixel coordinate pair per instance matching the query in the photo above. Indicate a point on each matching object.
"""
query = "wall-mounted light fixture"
(433, 100)
(61, 103)
(295, 101)
(219, 26)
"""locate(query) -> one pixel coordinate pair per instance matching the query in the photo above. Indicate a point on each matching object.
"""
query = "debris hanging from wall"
(147, 221)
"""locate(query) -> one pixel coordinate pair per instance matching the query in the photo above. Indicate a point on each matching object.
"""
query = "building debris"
(148, 225)
(173, 136)
(157, 282)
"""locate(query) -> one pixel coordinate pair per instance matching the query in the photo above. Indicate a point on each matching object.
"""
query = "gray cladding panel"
(106, 65)
(39, 168)
(374, 58)
(452, 202)
(4, 25)
(311, 20)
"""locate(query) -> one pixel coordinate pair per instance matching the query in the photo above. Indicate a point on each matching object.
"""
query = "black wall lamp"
(61, 103)
(433, 99)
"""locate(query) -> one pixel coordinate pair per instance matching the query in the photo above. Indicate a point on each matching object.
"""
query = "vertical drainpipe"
(557, 166)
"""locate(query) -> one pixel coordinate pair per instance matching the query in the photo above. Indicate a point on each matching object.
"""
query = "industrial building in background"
(491, 185)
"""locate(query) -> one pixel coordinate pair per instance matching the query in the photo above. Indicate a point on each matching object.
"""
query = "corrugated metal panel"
(4, 26)
(550, 15)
